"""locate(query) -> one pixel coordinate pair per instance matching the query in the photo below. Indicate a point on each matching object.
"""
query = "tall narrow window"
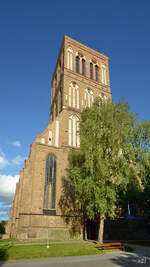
(50, 183)
(73, 132)
(69, 58)
(77, 64)
(104, 75)
(73, 95)
(53, 185)
(83, 66)
(91, 71)
(70, 95)
(96, 73)
(103, 97)
(88, 98)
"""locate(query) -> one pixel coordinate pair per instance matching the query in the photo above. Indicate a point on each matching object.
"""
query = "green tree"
(145, 201)
(2, 227)
(113, 145)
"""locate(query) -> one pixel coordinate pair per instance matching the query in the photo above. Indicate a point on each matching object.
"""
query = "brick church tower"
(80, 75)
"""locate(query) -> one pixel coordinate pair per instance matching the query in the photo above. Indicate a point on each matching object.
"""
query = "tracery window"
(88, 98)
(73, 131)
(70, 58)
(74, 95)
(103, 97)
(50, 183)
(77, 64)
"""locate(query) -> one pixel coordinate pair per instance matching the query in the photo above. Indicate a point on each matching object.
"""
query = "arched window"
(104, 74)
(103, 97)
(83, 66)
(91, 71)
(73, 131)
(69, 58)
(50, 183)
(88, 98)
(77, 64)
(96, 73)
(74, 95)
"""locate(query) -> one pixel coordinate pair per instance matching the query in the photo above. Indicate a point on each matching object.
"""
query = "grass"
(10, 252)
(15, 241)
(6, 241)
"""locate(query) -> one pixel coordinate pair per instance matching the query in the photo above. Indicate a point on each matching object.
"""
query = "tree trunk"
(84, 228)
(101, 230)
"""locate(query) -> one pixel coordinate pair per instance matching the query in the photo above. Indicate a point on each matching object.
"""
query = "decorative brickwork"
(41, 182)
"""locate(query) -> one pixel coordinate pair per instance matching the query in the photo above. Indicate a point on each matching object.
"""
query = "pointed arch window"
(70, 58)
(104, 74)
(74, 95)
(73, 131)
(103, 97)
(50, 183)
(88, 98)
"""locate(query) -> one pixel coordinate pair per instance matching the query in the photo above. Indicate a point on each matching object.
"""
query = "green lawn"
(6, 241)
(10, 252)
(15, 241)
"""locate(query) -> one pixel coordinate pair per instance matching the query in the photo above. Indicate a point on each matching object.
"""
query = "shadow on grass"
(4, 254)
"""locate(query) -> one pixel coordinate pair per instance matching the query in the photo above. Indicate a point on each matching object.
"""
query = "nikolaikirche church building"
(81, 74)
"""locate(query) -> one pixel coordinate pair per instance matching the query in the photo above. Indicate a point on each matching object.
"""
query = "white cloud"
(17, 160)
(7, 190)
(3, 161)
(16, 143)
(8, 185)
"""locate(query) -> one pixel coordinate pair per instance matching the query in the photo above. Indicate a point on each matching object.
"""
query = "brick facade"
(71, 93)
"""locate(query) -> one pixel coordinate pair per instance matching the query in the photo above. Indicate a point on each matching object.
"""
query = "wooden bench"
(112, 246)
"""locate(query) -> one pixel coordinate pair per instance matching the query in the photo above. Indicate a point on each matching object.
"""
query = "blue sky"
(31, 33)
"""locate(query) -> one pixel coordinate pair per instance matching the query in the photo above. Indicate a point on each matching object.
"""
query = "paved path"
(141, 257)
